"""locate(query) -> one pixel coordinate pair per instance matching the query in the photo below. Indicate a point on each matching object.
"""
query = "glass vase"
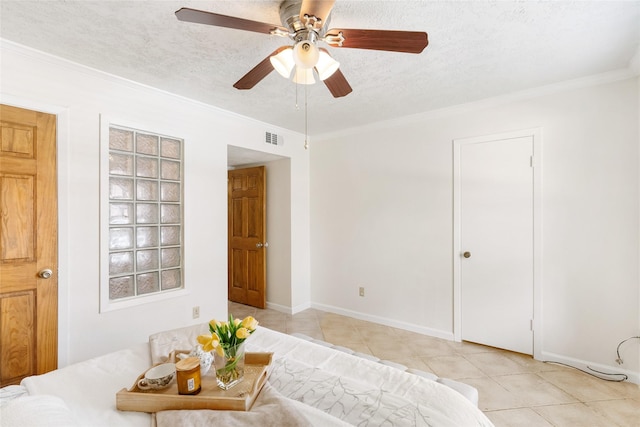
(230, 367)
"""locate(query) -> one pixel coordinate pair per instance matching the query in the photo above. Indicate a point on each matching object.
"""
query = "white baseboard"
(384, 321)
(632, 377)
(288, 310)
(279, 308)
(617, 372)
(300, 308)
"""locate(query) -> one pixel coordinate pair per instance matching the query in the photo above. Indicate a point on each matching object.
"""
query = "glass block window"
(145, 226)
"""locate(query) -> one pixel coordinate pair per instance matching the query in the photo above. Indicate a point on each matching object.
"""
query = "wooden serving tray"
(238, 398)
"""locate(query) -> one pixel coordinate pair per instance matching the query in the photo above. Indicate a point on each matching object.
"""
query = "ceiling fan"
(306, 23)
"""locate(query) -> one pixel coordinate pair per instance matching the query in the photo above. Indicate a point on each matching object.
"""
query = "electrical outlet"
(361, 291)
(196, 312)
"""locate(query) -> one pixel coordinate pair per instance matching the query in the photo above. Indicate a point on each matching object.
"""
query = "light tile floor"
(515, 390)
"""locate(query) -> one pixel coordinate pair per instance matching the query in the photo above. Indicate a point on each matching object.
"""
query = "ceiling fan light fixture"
(306, 22)
(303, 76)
(283, 62)
(305, 54)
(326, 65)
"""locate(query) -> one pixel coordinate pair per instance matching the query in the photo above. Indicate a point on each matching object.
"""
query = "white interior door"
(497, 242)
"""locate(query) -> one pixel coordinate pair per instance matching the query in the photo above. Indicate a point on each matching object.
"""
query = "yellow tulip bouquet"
(227, 339)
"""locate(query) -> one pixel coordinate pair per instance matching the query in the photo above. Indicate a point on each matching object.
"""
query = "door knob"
(467, 254)
(259, 245)
(45, 274)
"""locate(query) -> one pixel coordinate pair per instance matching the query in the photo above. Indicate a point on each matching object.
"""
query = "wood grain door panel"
(247, 226)
(28, 244)
(17, 334)
(17, 229)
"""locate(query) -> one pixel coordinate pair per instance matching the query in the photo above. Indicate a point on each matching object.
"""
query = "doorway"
(497, 240)
(278, 220)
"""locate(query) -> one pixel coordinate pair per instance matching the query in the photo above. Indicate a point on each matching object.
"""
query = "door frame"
(537, 324)
(63, 141)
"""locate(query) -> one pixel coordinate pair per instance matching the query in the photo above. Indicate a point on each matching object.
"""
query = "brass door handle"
(467, 254)
(45, 274)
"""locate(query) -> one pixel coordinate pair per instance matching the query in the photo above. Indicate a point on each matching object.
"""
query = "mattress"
(311, 383)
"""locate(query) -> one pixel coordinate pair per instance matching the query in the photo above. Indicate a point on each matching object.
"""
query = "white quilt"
(309, 385)
(351, 389)
(89, 388)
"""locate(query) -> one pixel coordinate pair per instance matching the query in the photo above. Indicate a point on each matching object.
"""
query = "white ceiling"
(477, 50)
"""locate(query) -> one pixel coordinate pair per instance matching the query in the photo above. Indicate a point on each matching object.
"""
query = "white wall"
(381, 218)
(278, 174)
(79, 96)
(300, 235)
(381, 209)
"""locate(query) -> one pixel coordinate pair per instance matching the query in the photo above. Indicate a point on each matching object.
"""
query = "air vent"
(273, 139)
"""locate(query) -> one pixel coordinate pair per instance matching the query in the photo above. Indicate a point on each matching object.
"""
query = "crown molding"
(564, 86)
(56, 61)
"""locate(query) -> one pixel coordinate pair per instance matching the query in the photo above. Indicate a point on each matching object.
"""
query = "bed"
(311, 383)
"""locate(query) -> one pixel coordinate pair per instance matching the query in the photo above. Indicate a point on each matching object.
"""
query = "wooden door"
(247, 240)
(28, 244)
(497, 243)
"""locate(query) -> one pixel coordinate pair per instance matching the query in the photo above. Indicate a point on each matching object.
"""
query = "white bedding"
(89, 388)
(319, 385)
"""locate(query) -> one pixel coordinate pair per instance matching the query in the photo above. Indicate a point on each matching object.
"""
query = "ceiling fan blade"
(209, 18)
(318, 8)
(258, 72)
(394, 41)
(338, 85)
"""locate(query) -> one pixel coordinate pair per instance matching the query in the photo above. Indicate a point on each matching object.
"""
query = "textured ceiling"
(476, 50)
